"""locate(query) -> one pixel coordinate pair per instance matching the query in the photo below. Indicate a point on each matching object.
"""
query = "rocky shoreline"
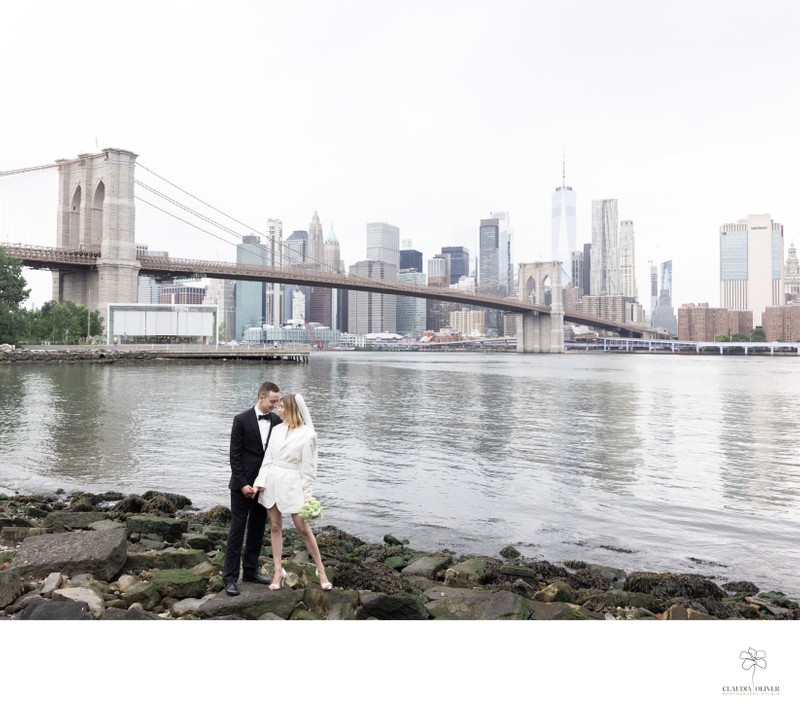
(152, 557)
(84, 355)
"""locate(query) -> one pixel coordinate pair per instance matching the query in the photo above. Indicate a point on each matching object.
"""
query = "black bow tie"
(263, 416)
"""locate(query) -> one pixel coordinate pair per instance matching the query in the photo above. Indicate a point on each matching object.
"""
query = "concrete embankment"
(111, 556)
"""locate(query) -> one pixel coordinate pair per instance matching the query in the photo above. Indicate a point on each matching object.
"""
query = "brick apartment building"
(701, 323)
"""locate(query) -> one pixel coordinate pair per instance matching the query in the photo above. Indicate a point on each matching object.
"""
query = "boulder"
(558, 591)
(610, 600)
(510, 552)
(476, 604)
(394, 608)
(674, 584)
(178, 583)
(15, 534)
(101, 553)
(187, 607)
(61, 520)
(81, 595)
(427, 566)
(11, 586)
(40, 609)
(555, 611)
(144, 594)
(512, 569)
(341, 603)
(201, 542)
(168, 558)
(134, 613)
(167, 528)
(254, 601)
(472, 572)
(681, 613)
(54, 581)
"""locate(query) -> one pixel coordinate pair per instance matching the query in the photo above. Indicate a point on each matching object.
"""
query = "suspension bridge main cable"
(21, 170)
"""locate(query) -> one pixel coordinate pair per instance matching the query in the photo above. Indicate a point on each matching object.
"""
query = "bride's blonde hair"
(291, 412)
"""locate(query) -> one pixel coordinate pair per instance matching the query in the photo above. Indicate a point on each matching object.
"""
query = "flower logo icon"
(752, 659)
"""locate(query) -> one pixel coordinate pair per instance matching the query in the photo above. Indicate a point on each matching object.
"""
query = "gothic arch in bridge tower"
(540, 283)
(96, 214)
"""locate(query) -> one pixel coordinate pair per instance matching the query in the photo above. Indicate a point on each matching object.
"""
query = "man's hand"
(249, 492)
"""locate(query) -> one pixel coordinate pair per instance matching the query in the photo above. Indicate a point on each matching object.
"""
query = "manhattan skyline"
(647, 108)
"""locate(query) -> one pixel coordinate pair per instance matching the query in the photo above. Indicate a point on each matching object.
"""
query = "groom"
(249, 437)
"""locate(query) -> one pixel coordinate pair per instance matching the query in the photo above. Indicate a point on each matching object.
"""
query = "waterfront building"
(459, 262)
(221, 293)
(664, 315)
(604, 277)
(751, 265)
(564, 237)
(653, 292)
(250, 296)
(468, 322)
(371, 312)
(701, 323)
(411, 311)
(627, 259)
(383, 243)
(782, 324)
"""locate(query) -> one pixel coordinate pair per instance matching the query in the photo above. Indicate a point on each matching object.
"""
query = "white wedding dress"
(289, 468)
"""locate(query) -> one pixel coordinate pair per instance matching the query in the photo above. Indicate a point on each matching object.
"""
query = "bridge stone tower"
(541, 333)
(96, 213)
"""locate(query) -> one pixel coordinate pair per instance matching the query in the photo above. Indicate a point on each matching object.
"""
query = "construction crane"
(315, 343)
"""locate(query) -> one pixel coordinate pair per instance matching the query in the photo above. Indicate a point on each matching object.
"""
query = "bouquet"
(311, 511)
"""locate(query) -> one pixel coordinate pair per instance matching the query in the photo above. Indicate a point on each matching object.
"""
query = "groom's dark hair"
(267, 387)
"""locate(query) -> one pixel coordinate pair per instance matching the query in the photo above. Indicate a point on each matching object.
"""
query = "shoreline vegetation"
(107, 556)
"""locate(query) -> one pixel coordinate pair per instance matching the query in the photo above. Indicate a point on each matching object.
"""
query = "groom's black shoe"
(231, 588)
(255, 579)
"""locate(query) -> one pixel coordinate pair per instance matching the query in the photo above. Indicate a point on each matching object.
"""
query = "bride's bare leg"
(276, 539)
(311, 544)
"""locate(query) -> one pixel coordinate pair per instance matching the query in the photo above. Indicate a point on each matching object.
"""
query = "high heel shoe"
(325, 586)
(276, 586)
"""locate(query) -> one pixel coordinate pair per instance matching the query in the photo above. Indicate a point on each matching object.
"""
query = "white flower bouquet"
(311, 511)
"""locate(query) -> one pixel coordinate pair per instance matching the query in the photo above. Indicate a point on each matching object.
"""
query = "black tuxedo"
(246, 455)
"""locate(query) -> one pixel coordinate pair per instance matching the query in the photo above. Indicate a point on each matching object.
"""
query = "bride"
(284, 482)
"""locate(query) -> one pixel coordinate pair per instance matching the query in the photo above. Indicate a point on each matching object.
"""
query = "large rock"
(674, 584)
(60, 520)
(254, 601)
(178, 583)
(391, 608)
(469, 604)
(427, 566)
(168, 529)
(40, 609)
(472, 572)
(339, 604)
(81, 595)
(610, 600)
(100, 553)
(134, 613)
(11, 586)
(168, 558)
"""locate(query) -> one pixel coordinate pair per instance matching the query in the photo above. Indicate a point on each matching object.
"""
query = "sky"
(426, 115)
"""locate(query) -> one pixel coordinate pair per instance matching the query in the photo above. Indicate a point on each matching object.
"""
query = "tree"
(64, 323)
(13, 292)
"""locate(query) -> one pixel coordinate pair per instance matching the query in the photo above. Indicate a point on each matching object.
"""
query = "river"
(643, 462)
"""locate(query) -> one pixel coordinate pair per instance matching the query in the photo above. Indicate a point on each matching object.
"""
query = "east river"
(642, 462)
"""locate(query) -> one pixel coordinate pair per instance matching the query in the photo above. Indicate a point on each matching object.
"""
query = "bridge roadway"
(169, 268)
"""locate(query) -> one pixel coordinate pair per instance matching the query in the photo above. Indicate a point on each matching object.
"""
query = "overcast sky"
(427, 115)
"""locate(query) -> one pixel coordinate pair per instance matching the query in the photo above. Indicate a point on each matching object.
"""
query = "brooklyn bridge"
(96, 261)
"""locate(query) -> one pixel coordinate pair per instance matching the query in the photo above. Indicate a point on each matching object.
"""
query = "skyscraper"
(383, 243)
(411, 259)
(459, 262)
(332, 263)
(251, 297)
(664, 314)
(274, 243)
(627, 263)
(411, 311)
(505, 270)
(315, 243)
(564, 238)
(371, 312)
(605, 248)
(488, 255)
(751, 265)
(295, 254)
